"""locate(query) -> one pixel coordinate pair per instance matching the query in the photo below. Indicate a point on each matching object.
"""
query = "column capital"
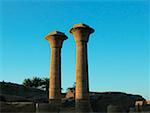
(81, 32)
(56, 39)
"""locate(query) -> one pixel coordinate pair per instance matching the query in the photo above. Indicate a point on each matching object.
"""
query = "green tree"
(45, 83)
(27, 82)
(37, 82)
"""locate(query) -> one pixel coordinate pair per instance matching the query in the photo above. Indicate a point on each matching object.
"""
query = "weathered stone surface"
(10, 92)
(56, 39)
(99, 100)
(17, 107)
(70, 94)
(46, 108)
(81, 34)
(146, 108)
(81, 26)
(114, 109)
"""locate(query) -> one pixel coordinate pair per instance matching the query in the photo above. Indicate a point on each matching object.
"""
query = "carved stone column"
(56, 39)
(81, 34)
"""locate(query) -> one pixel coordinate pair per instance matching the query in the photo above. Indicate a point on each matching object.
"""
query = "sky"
(118, 50)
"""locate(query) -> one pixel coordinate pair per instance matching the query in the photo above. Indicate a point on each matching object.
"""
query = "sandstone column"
(81, 34)
(56, 39)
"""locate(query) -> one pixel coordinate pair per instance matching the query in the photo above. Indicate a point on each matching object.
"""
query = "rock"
(11, 92)
(17, 107)
(100, 101)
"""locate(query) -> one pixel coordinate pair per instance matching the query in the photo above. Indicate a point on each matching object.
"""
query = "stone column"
(56, 39)
(81, 34)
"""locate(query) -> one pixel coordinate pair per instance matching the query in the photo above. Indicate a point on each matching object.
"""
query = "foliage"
(27, 82)
(37, 82)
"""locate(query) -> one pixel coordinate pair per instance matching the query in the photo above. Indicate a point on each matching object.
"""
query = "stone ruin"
(81, 34)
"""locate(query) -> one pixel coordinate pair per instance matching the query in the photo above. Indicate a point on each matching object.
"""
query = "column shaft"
(82, 86)
(81, 34)
(55, 75)
(56, 39)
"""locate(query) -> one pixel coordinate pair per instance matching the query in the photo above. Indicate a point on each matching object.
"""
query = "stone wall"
(19, 107)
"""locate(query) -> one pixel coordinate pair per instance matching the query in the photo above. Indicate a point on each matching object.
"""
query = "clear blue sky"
(117, 51)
